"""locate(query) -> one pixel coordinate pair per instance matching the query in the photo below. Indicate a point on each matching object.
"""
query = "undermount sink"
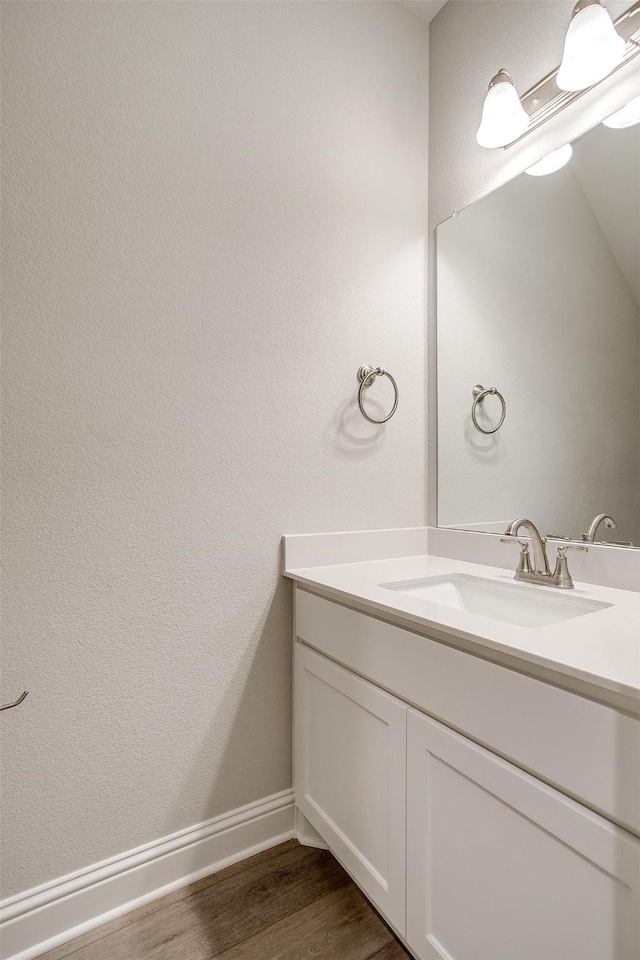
(513, 603)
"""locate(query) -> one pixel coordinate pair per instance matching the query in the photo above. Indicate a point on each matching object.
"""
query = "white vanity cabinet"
(466, 854)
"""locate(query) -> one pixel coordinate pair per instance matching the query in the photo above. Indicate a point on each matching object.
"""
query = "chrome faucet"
(540, 573)
(608, 521)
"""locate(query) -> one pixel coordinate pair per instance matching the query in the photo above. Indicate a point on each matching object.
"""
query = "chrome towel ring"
(366, 376)
(479, 393)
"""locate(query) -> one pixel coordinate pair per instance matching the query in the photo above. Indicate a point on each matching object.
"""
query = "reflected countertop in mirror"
(538, 295)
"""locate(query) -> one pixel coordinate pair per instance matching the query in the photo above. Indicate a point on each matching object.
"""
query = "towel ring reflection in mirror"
(479, 393)
(367, 376)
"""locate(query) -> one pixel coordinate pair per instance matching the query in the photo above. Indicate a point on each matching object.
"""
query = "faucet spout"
(540, 560)
(608, 521)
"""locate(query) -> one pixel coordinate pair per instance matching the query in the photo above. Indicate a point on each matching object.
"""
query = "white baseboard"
(307, 835)
(44, 917)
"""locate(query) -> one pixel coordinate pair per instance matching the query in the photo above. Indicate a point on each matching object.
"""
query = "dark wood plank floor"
(288, 903)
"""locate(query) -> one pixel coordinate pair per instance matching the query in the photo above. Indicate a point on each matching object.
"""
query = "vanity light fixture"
(595, 47)
(626, 116)
(503, 117)
(552, 162)
(592, 47)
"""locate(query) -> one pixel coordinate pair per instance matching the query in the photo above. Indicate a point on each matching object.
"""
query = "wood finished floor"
(288, 903)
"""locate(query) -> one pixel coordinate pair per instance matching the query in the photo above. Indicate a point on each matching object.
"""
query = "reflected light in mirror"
(592, 47)
(627, 116)
(552, 162)
(504, 119)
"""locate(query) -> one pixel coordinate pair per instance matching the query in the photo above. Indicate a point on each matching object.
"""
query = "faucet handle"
(524, 563)
(561, 572)
(562, 551)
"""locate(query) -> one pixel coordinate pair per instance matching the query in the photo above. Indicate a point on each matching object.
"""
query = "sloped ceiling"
(607, 164)
(425, 9)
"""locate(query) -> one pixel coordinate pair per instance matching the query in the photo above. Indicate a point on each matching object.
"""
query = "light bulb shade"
(504, 119)
(626, 116)
(592, 48)
(552, 162)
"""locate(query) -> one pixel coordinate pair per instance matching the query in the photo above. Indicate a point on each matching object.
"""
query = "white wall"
(532, 300)
(469, 41)
(214, 213)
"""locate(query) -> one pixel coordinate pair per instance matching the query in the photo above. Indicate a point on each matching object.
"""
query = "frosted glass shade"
(626, 116)
(552, 162)
(504, 119)
(592, 49)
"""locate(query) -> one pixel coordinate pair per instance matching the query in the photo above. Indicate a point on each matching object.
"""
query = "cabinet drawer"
(350, 775)
(584, 748)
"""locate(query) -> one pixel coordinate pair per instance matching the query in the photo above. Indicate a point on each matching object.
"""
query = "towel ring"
(366, 376)
(479, 393)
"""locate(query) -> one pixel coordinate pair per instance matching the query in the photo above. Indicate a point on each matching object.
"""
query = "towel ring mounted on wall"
(367, 376)
(479, 393)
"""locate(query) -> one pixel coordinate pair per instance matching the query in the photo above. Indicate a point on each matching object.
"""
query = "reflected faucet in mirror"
(608, 521)
(540, 573)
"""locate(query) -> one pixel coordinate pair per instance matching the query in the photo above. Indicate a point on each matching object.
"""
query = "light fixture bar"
(545, 99)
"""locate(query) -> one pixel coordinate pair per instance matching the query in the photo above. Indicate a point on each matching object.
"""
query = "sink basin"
(514, 603)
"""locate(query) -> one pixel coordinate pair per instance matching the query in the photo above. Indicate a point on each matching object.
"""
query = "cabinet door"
(501, 866)
(350, 770)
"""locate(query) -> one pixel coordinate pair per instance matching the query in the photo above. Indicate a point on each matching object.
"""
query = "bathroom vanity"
(468, 746)
(478, 776)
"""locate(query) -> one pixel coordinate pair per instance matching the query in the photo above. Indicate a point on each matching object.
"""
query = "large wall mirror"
(538, 296)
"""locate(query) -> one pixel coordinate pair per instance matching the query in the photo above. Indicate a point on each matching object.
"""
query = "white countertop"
(601, 648)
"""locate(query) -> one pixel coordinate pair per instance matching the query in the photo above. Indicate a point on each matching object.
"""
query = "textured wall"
(544, 312)
(214, 214)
